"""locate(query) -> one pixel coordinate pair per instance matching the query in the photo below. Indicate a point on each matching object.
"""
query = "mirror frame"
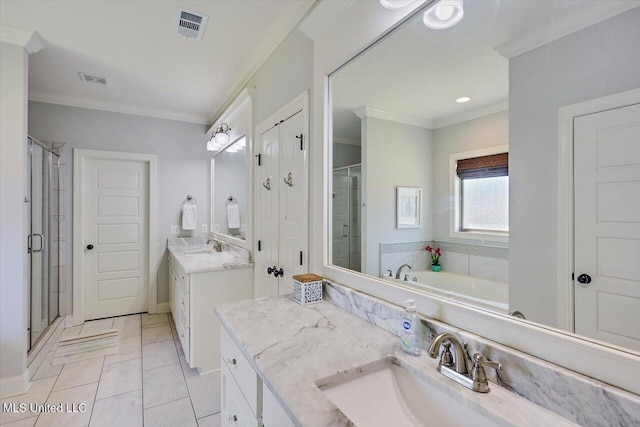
(239, 116)
(339, 36)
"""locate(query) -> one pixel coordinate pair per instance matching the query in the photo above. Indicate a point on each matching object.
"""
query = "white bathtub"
(458, 287)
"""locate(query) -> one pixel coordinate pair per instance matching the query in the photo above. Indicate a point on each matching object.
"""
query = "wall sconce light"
(220, 138)
(443, 14)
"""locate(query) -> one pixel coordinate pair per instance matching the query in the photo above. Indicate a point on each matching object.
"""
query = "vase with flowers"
(435, 254)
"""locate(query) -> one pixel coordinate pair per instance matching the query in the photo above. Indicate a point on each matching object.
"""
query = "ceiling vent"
(90, 78)
(190, 24)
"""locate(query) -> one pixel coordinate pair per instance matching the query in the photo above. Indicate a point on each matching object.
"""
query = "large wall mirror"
(452, 113)
(229, 190)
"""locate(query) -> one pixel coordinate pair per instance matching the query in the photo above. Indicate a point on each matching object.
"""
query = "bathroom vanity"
(320, 365)
(200, 279)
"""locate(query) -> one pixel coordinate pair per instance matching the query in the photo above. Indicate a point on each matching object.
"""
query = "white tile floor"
(147, 383)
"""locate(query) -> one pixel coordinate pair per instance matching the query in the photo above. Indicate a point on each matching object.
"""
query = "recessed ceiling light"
(463, 99)
(443, 14)
(396, 4)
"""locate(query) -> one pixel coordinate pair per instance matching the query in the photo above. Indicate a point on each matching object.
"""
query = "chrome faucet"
(400, 270)
(476, 379)
(217, 246)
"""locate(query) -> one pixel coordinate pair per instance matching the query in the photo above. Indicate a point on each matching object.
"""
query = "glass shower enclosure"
(43, 240)
(346, 209)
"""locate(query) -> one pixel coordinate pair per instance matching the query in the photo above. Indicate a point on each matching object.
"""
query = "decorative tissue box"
(307, 289)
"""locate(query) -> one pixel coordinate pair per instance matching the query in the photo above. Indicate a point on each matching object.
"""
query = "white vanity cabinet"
(192, 297)
(245, 399)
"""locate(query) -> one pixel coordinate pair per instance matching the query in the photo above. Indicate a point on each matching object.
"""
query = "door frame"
(566, 256)
(300, 104)
(79, 158)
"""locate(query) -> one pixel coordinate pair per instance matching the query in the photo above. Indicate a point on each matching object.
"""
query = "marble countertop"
(195, 256)
(291, 347)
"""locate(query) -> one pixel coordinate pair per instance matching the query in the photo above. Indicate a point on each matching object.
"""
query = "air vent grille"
(90, 78)
(190, 24)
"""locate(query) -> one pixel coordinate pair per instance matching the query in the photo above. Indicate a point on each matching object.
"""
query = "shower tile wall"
(59, 232)
(485, 262)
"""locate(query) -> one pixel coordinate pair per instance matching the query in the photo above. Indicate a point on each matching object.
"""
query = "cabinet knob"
(232, 419)
(232, 362)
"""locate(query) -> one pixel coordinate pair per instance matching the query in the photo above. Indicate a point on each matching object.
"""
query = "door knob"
(278, 272)
(89, 247)
(584, 279)
(271, 270)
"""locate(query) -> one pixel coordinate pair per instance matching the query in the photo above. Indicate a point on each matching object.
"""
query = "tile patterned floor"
(147, 383)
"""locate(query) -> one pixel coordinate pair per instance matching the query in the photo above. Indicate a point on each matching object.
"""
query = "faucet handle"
(446, 358)
(478, 373)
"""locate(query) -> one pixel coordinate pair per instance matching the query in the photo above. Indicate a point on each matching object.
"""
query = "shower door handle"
(345, 231)
(41, 243)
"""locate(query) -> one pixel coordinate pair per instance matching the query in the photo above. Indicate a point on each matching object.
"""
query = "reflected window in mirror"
(481, 184)
(229, 190)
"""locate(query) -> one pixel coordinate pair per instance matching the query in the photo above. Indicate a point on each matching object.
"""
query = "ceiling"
(417, 73)
(150, 70)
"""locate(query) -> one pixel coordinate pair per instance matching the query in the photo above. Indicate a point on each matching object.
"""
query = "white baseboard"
(163, 307)
(14, 386)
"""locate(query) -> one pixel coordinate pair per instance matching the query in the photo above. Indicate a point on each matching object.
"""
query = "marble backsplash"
(578, 398)
(485, 262)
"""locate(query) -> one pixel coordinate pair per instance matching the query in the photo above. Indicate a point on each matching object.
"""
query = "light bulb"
(211, 146)
(222, 139)
(444, 12)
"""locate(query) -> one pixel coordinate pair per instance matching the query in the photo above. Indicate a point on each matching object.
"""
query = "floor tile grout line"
(93, 404)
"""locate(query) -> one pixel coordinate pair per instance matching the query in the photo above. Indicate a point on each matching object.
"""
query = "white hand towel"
(189, 215)
(233, 215)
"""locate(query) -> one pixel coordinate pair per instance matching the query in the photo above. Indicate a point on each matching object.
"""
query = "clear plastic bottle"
(410, 331)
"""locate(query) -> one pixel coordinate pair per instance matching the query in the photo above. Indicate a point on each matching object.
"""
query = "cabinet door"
(267, 213)
(294, 202)
(172, 285)
(272, 413)
(233, 409)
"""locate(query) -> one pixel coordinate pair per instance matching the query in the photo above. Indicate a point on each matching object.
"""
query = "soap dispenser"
(410, 331)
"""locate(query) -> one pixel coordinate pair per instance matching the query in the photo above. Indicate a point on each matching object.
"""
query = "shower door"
(346, 209)
(43, 240)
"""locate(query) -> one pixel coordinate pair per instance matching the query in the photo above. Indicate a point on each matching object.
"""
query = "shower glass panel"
(347, 202)
(43, 240)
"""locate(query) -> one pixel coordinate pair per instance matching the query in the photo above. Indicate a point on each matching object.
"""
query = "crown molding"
(29, 40)
(472, 114)
(232, 111)
(116, 108)
(365, 111)
(284, 23)
(587, 15)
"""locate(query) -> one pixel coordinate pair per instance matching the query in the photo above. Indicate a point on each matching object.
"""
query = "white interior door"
(294, 204)
(267, 223)
(115, 211)
(607, 224)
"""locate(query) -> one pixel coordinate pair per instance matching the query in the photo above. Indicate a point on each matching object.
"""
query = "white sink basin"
(385, 394)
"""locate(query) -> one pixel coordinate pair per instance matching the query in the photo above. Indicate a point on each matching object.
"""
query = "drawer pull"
(232, 419)
(232, 362)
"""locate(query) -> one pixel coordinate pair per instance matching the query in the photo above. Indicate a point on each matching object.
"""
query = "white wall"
(286, 74)
(183, 164)
(13, 279)
(585, 66)
(394, 155)
(483, 132)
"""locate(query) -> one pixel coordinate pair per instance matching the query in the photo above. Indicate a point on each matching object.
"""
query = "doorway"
(43, 240)
(114, 234)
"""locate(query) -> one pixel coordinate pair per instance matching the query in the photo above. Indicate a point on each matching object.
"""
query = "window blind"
(484, 166)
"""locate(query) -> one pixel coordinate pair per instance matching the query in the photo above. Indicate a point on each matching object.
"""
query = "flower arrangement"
(435, 255)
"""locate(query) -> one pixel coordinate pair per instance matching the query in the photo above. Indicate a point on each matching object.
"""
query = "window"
(481, 193)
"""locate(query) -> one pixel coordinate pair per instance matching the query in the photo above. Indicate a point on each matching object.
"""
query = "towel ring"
(190, 198)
